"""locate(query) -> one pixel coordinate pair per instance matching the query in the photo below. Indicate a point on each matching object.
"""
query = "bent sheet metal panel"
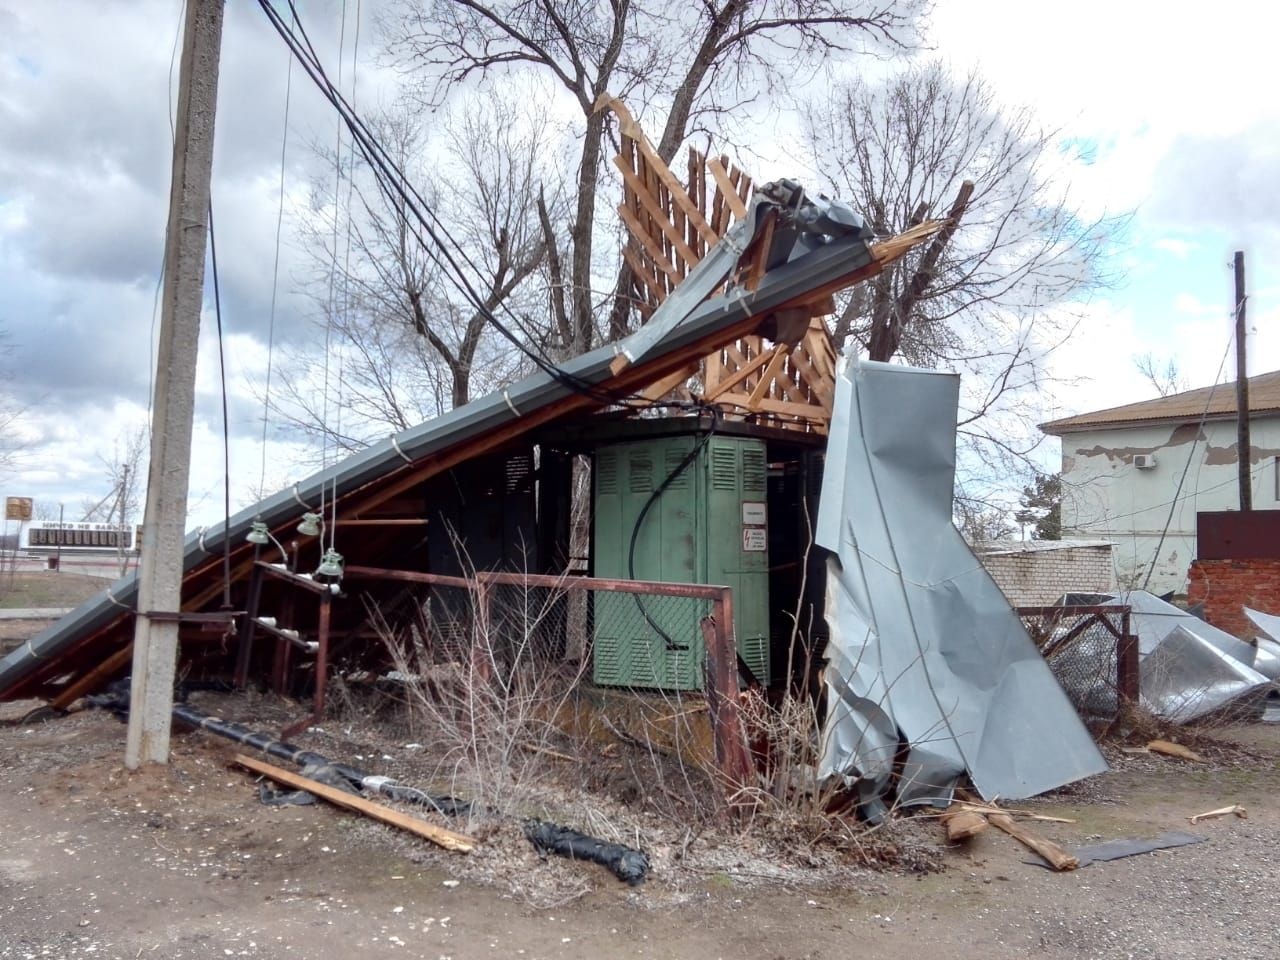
(922, 640)
(1189, 668)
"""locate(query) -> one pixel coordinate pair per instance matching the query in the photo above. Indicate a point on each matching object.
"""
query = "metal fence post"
(721, 690)
(1127, 673)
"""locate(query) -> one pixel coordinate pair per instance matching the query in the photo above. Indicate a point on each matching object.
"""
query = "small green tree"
(1042, 506)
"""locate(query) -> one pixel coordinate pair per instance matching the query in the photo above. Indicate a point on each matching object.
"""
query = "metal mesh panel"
(1083, 651)
(648, 640)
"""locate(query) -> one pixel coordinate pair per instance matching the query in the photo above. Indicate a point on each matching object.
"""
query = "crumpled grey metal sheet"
(1186, 677)
(926, 656)
(1267, 659)
(1153, 619)
(1188, 668)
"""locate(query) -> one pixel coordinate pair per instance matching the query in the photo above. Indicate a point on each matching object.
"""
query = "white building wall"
(1106, 497)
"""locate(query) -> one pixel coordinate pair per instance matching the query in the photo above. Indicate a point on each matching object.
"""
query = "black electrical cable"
(683, 465)
(226, 430)
(392, 181)
(400, 192)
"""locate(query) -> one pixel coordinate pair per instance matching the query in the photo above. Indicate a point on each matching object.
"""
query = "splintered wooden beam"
(651, 206)
(747, 368)
(458, 842)
(651, 246)
(726, 189)
(668, 383)
(769, 376)
(963, 823)
(1056, 857)
(629, 128)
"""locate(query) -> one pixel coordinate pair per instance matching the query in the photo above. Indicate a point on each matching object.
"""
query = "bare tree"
(126, 471)
(690, 61)
(980, 522)
(403, 344)
(1167, 380)
(994, 294)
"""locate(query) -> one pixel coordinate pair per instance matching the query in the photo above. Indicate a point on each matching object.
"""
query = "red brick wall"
(1225, 586)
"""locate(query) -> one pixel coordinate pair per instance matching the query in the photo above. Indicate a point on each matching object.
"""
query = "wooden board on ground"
(458, 842)
(1171, 749)
(963, 823)
(1056, 857)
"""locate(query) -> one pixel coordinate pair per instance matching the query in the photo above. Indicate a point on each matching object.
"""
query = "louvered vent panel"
(607, 471)
(724, 467)
(640, 478)
(672, 458)
(753, 469)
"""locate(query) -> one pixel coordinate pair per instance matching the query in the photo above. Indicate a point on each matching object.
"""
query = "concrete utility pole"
(155, 639)
(1244, 448)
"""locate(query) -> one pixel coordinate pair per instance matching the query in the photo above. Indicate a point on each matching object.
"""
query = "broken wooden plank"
(1171, 749)
(727, 190)
(963, 823)
(90, 681)
(652, 206)
(770, 374)
(1054, 855)
(1235, 809)
(1024, 814)
(747, 368)
(629, 128)
(457, 842)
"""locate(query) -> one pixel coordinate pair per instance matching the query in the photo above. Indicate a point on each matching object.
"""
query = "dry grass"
(47, 588)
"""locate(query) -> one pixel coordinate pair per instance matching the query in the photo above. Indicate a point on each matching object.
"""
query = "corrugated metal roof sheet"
(837, 258)
(1264, 398)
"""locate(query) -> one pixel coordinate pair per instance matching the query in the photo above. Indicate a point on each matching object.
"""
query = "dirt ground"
(184, 862)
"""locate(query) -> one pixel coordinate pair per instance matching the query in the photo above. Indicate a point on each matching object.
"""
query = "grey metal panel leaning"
(823, 264)
(925, 651)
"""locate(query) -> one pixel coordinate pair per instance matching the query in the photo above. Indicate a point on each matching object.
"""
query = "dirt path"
(185, 863)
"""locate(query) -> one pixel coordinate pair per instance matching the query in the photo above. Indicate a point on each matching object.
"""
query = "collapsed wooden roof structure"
(744, 332)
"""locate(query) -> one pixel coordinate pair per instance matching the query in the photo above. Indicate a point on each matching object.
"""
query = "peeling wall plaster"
(1106, 496)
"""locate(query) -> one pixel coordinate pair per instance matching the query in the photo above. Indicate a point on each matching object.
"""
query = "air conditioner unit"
(1144, 461)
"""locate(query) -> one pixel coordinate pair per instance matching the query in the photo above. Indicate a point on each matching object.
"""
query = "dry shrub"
(492, 711)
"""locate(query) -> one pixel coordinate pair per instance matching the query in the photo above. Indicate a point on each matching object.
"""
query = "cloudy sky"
(1172, 107)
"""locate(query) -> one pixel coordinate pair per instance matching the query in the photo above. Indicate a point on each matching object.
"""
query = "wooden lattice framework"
(786, 379)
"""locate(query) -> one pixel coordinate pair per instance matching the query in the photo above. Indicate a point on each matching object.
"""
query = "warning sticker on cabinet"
(754, 540)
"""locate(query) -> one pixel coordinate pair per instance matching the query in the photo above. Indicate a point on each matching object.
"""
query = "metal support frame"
(721, 668)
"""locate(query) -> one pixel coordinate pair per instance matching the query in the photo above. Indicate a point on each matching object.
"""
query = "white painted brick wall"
(1042, 577)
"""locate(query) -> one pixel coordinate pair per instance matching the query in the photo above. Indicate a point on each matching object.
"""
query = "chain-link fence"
(1091, 651)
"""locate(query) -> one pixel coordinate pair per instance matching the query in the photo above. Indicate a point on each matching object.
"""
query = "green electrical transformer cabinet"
(708, 526)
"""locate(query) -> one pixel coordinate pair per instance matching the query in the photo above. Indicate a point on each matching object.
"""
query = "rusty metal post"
(1127, 672)
(721, 690)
